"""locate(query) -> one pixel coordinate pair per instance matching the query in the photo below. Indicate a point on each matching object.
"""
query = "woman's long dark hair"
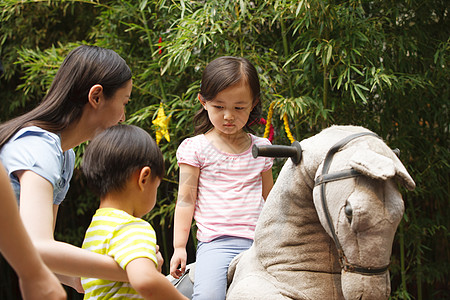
(83, 67)
(220, 74)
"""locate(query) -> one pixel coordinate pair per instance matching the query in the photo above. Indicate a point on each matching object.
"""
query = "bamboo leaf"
(329, 53)
(143, 5)
(299, 7)
(291, 59)
(356, 70)
(360, 93)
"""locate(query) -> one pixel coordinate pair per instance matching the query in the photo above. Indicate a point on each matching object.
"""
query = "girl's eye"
(239, 108)
(218, 106)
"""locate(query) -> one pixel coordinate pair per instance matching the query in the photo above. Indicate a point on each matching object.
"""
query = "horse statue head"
(327, 228)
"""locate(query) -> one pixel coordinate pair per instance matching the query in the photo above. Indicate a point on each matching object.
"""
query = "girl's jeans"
(211, 266)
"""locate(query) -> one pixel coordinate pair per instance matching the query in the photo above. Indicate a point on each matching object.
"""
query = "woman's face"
(112, 110)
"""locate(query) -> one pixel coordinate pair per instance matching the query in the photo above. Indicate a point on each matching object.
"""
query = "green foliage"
(379, 64)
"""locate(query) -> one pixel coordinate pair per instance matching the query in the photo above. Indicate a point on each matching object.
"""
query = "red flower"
(159, 46)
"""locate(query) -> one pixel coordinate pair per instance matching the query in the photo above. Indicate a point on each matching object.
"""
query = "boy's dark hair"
(220, 74)
(113, 155)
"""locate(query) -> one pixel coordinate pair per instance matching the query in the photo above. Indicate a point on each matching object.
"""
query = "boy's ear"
(95, 94)
(144, 176)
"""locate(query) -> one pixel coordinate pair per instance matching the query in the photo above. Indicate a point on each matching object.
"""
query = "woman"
(87, 95)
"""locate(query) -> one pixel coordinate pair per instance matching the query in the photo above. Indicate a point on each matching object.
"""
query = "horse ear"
(381, 167)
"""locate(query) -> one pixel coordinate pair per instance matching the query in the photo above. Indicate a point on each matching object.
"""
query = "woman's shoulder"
(36, 134)
(36, 144)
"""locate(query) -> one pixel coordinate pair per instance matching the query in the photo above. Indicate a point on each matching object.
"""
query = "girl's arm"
(149, 282)
(36, 280)
(267, 183)
(184, 211)
(38, 215)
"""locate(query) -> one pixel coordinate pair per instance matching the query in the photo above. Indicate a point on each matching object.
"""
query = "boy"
(124, 167)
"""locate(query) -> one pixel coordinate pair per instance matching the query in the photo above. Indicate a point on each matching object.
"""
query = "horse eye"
(348, 212)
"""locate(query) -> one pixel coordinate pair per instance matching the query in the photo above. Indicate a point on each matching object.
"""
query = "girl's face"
(230, 109)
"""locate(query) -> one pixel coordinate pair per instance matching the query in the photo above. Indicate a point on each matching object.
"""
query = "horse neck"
(289, 229)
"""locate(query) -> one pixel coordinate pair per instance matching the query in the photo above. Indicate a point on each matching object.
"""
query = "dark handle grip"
(294, 151)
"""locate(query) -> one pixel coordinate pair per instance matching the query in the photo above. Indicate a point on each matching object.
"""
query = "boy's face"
(150, 200)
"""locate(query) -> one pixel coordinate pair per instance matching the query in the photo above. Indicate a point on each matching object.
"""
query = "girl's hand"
(179, 258)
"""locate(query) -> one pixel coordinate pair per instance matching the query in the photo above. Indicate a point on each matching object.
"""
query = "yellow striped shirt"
(115, 233)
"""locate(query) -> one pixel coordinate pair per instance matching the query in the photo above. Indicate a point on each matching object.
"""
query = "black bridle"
(322, 180)
(295, 152)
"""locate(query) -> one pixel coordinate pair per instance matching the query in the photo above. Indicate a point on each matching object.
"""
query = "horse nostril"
(348, 212)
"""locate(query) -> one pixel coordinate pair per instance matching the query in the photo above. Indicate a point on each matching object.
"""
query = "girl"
(87, 95)
(221, 185)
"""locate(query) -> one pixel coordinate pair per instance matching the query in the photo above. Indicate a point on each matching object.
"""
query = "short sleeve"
(39, 151)
(268, 161)
(134, 239)
(188, 153)
(35, 152)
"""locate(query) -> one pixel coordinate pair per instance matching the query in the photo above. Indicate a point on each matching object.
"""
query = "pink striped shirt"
(229, 193)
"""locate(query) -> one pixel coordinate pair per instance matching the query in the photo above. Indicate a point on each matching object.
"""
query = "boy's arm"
(149, 283)
(184, 211)
(267, 183)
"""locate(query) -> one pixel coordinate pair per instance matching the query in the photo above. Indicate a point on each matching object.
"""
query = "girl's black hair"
(83, 67)
(220, 74)
(114, 154)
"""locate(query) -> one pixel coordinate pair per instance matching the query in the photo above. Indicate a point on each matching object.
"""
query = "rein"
(322, 180)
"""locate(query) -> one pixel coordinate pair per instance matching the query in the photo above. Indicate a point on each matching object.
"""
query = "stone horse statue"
(327, 227)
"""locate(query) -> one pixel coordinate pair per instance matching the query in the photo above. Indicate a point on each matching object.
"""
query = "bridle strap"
(325, 178)
(336, 176)
(365, 270)
(338, 146)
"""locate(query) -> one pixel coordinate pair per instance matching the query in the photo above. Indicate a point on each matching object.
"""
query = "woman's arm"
(149, 283)
(38, 215)
(267, 183)
(36, 280)
(184, 211)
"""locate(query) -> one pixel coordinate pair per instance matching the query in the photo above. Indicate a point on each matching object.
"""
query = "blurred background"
(380, 64)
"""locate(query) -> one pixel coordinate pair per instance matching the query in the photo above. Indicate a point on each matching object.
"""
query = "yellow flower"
(162, 123)
(287, 129)
(269, 120)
